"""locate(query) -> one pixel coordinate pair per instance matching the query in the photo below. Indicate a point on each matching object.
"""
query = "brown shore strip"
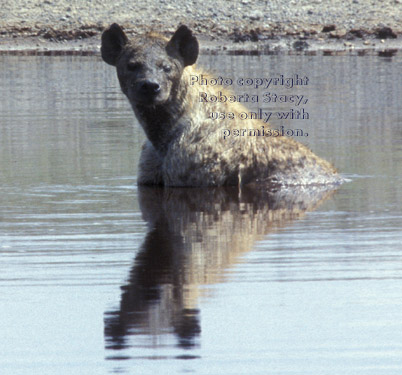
(87, 40)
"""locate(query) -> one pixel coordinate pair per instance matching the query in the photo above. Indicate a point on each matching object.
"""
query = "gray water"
(100, 277)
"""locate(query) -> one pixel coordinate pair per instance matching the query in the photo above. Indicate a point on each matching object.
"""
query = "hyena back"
(185, 146)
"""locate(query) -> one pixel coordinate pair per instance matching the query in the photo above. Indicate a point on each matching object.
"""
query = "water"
(100, 277)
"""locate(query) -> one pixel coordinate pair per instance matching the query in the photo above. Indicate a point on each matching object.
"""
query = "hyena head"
(149, 68)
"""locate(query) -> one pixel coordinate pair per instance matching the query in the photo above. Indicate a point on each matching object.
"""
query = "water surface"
(100, 277)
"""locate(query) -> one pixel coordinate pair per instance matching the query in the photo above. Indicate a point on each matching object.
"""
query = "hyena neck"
(161, 123)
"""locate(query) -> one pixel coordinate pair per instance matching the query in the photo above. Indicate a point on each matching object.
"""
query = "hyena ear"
(113, 41)
(185, 44)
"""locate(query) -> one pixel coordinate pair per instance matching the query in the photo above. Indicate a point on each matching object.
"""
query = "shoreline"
(240, 26)
(81, 42)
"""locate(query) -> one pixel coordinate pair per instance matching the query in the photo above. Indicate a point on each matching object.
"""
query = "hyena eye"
(133, 66)
(167, 68)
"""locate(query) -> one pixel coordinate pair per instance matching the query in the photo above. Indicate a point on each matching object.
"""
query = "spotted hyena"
(185, 146)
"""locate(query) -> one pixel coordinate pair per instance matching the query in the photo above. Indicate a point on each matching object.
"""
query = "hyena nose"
(149, 88)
